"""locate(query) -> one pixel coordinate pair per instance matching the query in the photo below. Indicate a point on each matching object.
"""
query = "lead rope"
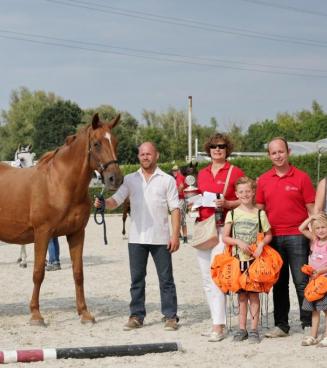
(100, 211)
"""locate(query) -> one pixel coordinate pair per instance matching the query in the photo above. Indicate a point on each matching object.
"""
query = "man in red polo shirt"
(287, 195)
(181, 185)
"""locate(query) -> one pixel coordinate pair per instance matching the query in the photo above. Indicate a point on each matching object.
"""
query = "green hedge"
(253, 167)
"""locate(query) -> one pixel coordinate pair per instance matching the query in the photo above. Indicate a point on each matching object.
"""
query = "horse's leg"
(124, 221)
(23, 256)
(19, 259)
(76, 242)
(40, 251)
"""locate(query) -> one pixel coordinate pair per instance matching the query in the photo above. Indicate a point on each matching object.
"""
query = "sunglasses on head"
(220, 146)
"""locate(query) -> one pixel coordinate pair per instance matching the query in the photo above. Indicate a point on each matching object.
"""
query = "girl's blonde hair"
(322, 219)
(246, 180)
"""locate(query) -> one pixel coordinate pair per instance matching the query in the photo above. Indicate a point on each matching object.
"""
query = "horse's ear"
(95, 121)
(18, 148)
(115, 121)
(29, 148)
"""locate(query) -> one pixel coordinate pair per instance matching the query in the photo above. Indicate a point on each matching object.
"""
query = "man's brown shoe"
(171, 324)
(276, 332)
(133, 323)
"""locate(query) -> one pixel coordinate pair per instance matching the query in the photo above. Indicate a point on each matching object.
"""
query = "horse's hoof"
(23, 265)
(37, 322)
(87, 320)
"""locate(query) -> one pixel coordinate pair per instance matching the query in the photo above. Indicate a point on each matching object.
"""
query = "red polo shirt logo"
(289, 188)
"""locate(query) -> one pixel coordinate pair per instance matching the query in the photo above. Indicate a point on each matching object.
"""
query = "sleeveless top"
(318, 256)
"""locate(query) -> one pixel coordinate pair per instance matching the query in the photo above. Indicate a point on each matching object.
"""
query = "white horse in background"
(24, 157)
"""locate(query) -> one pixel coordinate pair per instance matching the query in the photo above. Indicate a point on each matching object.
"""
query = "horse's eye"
(97, 144)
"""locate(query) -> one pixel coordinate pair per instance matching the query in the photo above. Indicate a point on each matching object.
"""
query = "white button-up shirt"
(150, 201)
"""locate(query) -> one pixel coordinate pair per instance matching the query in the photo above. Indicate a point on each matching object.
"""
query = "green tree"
(304, 125)
(17, 124)
(213, 123)
(260, 133)
(288, 126)
(106, 112)
(314, 124)
(127, 133)
(202, 133)
(237, 137)
(150, 118)
(168, 130)
(54, 124)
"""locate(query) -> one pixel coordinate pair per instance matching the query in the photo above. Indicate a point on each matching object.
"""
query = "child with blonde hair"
(240, 231)
(315, 229)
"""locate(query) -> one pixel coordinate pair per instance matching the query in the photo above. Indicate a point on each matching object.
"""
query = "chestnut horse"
(51, 199)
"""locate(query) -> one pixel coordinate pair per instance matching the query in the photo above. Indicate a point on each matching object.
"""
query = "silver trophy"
(190, 192)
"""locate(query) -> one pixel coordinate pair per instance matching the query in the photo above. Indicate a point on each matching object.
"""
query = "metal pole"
(196, 144)
(120, 350)
(189, 128)
(94, 352)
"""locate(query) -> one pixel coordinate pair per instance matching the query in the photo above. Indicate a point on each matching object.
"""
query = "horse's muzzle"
(113, 180)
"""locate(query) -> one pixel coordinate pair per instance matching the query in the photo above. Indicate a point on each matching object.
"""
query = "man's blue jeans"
(53, 250)
(294, 250)
(138, 259)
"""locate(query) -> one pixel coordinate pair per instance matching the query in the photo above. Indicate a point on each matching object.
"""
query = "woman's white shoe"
(216, 336)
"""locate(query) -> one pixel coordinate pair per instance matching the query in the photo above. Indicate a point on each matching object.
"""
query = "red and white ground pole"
(36, 355)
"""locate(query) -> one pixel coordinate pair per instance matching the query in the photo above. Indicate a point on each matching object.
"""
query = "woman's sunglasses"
(220, 146)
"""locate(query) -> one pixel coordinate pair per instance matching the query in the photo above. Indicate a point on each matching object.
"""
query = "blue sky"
(152, 55)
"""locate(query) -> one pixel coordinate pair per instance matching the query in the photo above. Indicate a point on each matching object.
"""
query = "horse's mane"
(48, 156)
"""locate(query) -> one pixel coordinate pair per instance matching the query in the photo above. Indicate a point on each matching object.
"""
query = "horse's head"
(25, 156)
(103, 152)
(190, 169)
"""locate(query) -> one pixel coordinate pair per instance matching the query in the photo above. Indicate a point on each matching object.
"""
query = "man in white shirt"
(152, 193)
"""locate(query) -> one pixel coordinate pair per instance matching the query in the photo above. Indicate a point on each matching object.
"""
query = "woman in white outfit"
(212, 179)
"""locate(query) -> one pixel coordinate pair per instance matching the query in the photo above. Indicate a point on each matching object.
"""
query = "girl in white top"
(318, 260)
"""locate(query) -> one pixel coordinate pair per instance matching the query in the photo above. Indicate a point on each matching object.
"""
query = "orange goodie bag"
(316, 288)
(267, 266)
(217, 264)
(248, 284)
(225, 271)
(307, 269)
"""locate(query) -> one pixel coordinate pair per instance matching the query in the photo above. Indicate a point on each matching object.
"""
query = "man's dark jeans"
(294, 250)
(138, 258)
(54, 251)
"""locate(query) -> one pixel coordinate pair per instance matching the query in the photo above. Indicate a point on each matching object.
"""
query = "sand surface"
(107, 280)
